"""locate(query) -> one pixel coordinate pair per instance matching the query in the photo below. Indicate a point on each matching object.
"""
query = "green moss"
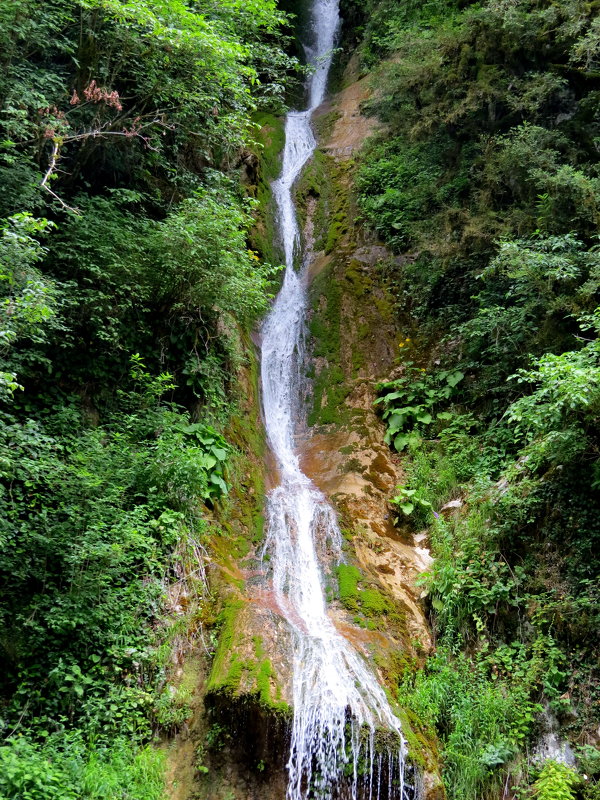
(338, 282)
(233, 677)
(372, 608)
(421, 741)
(259, 647)
(337, 228)
(357, 282)
(263, 681)
(363, 329)
(329, 395)
(264, 677)
(270, 140)
(231, 674)
(261, 678)
(226, 670)
(226, 551)
(330, 388)
(353, 465)
(324, 124)
(373, 602)
(348, 578)
(329, 182)
(258, 533)
(243, 510)
(326, 295)
(316, 183)
(340, 213)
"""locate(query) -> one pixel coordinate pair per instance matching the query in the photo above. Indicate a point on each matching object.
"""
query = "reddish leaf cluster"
(57, 120)
(51, 111)
(95, 94)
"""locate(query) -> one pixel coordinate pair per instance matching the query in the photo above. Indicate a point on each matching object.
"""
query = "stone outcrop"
(237, 739)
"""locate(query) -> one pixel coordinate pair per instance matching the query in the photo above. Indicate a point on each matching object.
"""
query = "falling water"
(338, 703)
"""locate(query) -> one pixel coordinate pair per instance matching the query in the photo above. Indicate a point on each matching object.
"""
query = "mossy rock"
(241, 667)
(372, 607)
(270, 141)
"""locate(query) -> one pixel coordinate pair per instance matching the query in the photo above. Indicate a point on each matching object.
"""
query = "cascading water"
(338, 703)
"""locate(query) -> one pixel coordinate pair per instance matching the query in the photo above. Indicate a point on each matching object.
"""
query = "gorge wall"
(238, 741)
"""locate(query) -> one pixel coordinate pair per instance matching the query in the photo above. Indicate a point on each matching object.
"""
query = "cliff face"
(472, 190)
(357, 341)
(236, 745)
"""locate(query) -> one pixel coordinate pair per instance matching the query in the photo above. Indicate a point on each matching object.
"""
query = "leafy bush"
(124, 129)
(482, 722)
(411, 401)
(28, 301)
(484, 182)
(89, 520)
(555, 782)
(64, 768)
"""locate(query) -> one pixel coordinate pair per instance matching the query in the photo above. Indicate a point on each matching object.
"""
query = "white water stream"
(338, 702)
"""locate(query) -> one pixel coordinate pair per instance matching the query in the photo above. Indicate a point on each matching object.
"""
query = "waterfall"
(338, 702)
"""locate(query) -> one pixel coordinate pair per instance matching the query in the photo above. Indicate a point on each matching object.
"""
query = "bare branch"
(133, 133)
(49, 172)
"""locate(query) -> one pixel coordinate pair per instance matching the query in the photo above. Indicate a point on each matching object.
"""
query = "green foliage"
(588, 758)
(401, 184)
(410, 403)
(470, 581)
(484, 181)
(202, 248)
(490, 136)
(122, 129)
(90, 520)
(116, 301)
(122, 112)
(157, 76)
(482, 720)
(565, 399)
(492, 567)
(28, 301)
(64, 768)
(555, 782)
(531, 292)
(407, 499)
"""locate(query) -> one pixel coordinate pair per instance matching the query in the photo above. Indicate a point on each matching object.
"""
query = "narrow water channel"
(338, 703)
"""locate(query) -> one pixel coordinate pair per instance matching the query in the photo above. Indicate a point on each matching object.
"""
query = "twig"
(93, 134)
(49, 172)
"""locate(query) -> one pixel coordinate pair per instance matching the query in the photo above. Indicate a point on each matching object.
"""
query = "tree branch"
(134, 133)
(50, 171)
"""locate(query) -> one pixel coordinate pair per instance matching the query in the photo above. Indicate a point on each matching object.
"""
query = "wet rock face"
(355, 337)
(354, 341)
(242, 736)
(351, 128)
(359, 474)
(252, 754)
(252, 750)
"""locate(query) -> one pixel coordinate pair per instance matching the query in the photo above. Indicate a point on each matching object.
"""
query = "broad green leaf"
(454, 378)
(401, 441)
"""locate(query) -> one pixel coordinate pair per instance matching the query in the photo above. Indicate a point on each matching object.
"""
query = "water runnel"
(339, 706)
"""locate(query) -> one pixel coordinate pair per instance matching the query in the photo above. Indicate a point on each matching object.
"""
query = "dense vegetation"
(127, 286)
(126, 283)
(485, 184)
